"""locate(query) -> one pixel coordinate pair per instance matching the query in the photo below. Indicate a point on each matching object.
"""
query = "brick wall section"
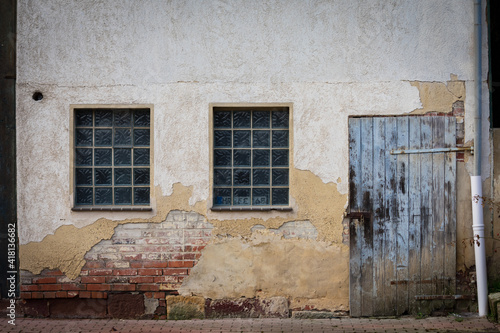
(146, 258)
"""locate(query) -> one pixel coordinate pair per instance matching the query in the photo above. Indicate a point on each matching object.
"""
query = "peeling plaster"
(315, 201)
(66, 248)
(439, 96)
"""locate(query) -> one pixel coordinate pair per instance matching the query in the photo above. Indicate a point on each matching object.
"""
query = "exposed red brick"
(52, 273)
(125, 271)
(117, 264)
(117, 279)
(101, 271)
(155, 264)
(160, 295)
(61, 294)
(175, 271)
(162, 302)
(99, 294)
(160, 249)
(177, 256)
(49, 294)
(189, 256)
(149, 271)
(93, 279)
(94, 264)
(36, 294)
(136, 264)
(72, 286)
(196, 240)
(25, 295)
(165, 279)
(180, 264)
(72, 294)
(131, 257)
(98, 287)
(30, 287)
(141, 279)
(50, 287)
(64, 279)
(123, 287)
(40, 280)
(148, 287)
(85, 294)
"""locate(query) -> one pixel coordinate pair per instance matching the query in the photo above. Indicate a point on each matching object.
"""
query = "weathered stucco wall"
(328, 60)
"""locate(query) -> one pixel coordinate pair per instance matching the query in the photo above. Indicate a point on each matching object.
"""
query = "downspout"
(476, 182)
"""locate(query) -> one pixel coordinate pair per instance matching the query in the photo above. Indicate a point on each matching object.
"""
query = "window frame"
(73, 166)
(250, 107)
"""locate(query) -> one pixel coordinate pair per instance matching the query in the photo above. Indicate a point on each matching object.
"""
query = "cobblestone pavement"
(403, 324)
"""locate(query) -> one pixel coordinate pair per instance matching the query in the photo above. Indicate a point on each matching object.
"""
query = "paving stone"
(403, 324)
(312, 315)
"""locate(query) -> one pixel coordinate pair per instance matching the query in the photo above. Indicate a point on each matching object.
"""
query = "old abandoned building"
(249, 158)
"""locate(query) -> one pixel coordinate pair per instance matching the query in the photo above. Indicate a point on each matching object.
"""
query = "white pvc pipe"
(479, 244)
(476, 182)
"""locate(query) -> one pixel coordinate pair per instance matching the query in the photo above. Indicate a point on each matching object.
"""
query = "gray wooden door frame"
(403, 214)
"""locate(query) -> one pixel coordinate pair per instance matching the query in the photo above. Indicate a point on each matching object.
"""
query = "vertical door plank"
(379, 217)
(450, 210)
(355, 163)
(390, 236)
(426, 220)
(402, 219)
(414, 286)
(354, 239)
(438, 207)
(366, 226)
(355, 268)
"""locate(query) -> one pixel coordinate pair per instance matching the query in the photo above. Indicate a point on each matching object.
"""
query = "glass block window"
(112, 149)
(251, 156)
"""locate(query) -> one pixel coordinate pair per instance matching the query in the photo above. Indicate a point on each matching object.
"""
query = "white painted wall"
(331, 59)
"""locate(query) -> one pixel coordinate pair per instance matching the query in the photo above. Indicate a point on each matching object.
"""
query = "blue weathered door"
(403, 214)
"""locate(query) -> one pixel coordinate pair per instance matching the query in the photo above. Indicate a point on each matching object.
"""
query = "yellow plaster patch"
(316, 201)
(438, 96)
(65, 249)
(265, 265)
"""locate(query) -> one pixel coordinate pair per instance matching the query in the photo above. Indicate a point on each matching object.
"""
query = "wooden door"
(403, 214)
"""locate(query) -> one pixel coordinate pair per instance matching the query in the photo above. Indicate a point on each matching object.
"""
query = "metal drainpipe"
(476, 182)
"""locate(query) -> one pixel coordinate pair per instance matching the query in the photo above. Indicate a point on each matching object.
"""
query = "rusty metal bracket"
(430, 150)
(443, 297)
